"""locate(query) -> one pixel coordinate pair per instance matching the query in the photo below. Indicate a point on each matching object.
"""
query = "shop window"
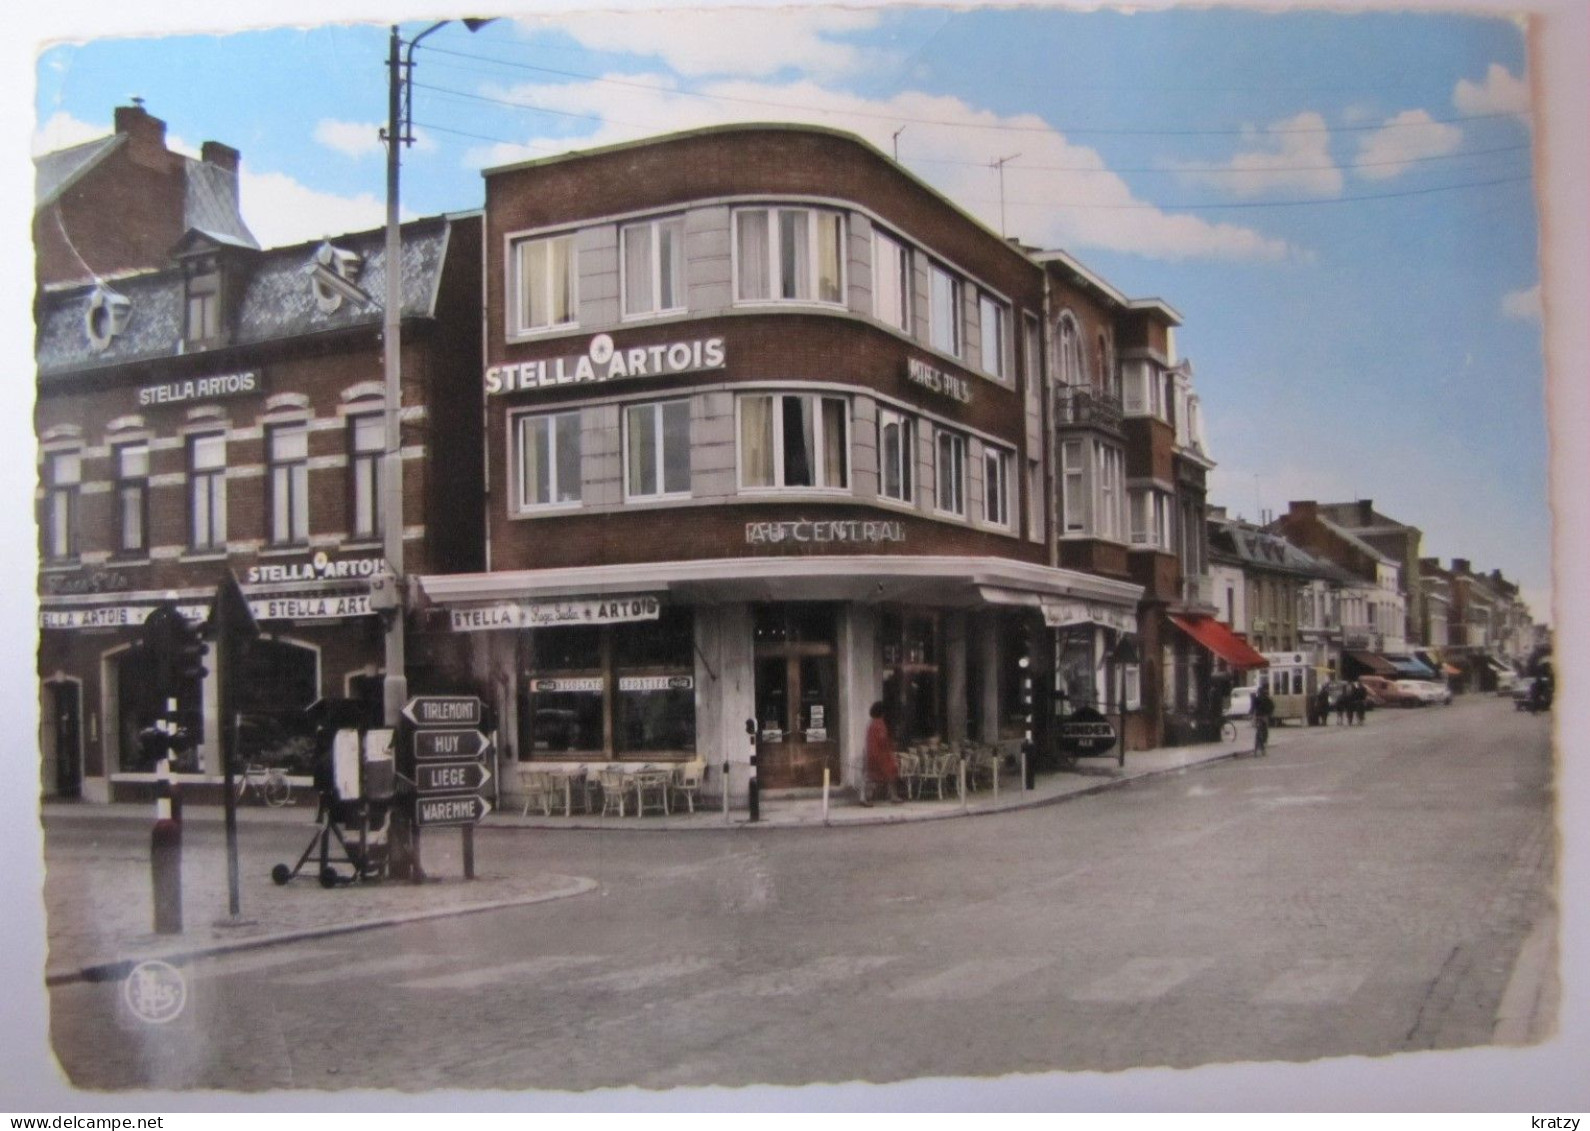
(1077, 670)
(549, 460)
(944, 310)
(65, 478)
(657, 450)
(654, 705)
(896, 456)
(891, 281)
(993, 322)
(996, 486)
(544, 284)
(132, 498)
(653, 258)
(366, 446)
(950, 448)
(289, 484)
(207, 492)
(913, 691)
(794, 254)
(794, 440)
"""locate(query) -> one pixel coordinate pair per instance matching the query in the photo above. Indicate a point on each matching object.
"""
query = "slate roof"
(278, 302)
(1249, 546)
(53, 173)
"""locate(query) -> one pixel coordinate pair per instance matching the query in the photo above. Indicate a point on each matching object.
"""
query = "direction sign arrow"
(444, 711)
(450, 777)
(450, 744)
(457, 809)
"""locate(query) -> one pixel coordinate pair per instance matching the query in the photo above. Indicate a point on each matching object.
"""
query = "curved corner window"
(789, 254)
(896, 456)
(794, 440)
(944, 310)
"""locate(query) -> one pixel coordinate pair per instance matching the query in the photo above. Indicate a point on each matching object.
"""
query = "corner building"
(765, 441)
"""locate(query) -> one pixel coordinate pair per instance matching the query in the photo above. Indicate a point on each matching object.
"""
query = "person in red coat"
(882, 769)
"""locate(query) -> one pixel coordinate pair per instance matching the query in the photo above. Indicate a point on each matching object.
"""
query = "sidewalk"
(99, 900)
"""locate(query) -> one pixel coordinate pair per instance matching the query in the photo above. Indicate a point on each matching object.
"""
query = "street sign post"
(445, 711)
(451, 809)
(431, 744)
(450, 777)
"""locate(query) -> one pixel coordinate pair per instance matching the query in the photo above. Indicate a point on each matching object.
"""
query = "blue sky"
(1341, 205)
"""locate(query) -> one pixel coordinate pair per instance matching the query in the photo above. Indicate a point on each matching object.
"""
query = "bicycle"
(270, 782)
(1228, 730)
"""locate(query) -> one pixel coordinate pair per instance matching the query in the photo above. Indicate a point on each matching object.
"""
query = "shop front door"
(68, 711)
(797, 710)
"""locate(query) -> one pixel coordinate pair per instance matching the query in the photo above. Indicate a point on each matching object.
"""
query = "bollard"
(1026, 782)
(996, 780)
(961, 782)
(725, 793)
(165, 856)
(825, 795)
(753, 794)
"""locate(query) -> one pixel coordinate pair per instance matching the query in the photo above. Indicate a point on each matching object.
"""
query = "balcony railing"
(1081, 405)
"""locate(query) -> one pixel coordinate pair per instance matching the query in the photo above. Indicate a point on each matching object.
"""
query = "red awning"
(1221, 641)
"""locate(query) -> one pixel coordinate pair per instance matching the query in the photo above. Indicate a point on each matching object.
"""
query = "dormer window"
(107, 316)
(203, 323)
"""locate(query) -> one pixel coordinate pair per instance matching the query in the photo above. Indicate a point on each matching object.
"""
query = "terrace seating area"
(610, 789)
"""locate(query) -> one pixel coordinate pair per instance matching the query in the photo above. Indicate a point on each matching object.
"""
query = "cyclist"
(1263, 709)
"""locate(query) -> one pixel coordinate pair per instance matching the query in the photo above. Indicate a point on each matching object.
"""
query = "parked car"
(1522, 690)
(1428, 691)
(1506, 683)
(1240, 705)
(1384, 692)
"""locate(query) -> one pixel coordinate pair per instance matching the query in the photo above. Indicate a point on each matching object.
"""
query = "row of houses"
(742, 425)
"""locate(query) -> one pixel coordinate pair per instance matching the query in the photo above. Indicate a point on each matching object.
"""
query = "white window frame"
(906, 468)
(997, 463)
(655, 411)
(950, 338)
(1074, 493)
(521, 326)
(1071, 368)
(955, 485)
(366, 469)
(208, 504)
(132, 495)
(655, 265)
(1109, 495)
(994, 310)
(555, 487)
(289, 485)
(819, 444)
(1151, 526)
(899, 272)
(775, 265)
(63, 501)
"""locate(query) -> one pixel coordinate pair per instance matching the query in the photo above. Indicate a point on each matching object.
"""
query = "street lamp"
(1125, 652)
(399, 132)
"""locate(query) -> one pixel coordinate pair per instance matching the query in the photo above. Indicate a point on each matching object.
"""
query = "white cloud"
(1406, 138)
(1523, 304)
(351, 139)
(63, 131)
(947, 143)
(1500, 93)
(280, 210)
(1290, 156)
(753, 42)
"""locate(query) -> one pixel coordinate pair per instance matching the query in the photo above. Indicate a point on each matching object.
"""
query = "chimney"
(1305, 509)
(221, 156)
(1460, 565)
(146, 132)
(1366, 512)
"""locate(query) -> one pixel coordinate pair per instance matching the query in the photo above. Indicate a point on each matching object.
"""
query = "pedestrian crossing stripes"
(977, 978)
(1307, 982)
(1316, 981)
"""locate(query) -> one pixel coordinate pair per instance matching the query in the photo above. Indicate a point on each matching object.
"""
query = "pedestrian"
(1263, 711)
(1322, 705)
(882, 769)
(1344, 704)
(1360, 703)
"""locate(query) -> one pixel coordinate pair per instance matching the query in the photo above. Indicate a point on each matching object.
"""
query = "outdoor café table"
(567, 778)
(649, 778)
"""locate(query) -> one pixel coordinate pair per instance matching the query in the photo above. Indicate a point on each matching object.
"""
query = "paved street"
(1361, 891)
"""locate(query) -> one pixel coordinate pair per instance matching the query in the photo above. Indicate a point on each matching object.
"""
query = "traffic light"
(188, 654)
(176, 653)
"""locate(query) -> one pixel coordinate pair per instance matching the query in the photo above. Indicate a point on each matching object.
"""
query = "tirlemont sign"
(945, 384)
(200, 389)
(554, 614)
(603, 361)
(802, 532)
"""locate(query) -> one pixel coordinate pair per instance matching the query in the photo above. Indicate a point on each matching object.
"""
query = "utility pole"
(897, 134)
(1000, 165)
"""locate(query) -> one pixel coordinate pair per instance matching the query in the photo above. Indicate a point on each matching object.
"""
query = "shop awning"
(1374, 664)
(1221, 641)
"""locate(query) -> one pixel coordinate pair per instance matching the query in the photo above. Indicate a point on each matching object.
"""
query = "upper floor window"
(891, 281)
(794, 440)
(207, 492)
(64, 471)
(544, 285)
(944, 310)
(1074, 487)
(996, 486)
(789, 253)
(204, 308)
(132, 498)
(1070, 369)
(993, 321)
(653, 255)
(950, 450)
(1108, 497)
(657, 450)
(896, 456)
(288, 452)
(549, 459)
(366, 446)
(1143, 392)
(1151, 519)
(1109, 376)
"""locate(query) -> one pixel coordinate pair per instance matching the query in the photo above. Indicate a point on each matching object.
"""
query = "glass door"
(797, 695)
